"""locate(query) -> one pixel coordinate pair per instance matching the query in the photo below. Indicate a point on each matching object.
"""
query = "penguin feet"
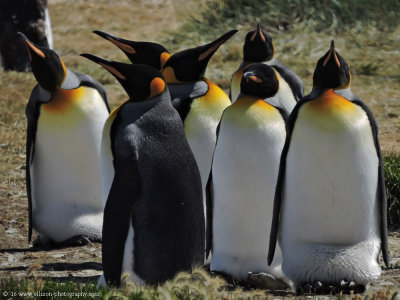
(320, 288)
(227, 277)
(76, 241)
(267, 281)
(46, 243)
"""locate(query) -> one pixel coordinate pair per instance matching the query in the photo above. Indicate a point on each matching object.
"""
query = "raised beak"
(332, 53)
(32, 48)
(120, 43)
(213, 46)
(105, 63)
(259, 32)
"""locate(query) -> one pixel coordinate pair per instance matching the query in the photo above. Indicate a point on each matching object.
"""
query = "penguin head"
(259, 80)
(141, 82)
(258, 46)
(190, 65)
(332, 71)
(47, 67)
(147, 53)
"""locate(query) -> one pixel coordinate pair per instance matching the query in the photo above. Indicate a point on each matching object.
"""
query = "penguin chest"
(201, 125)
(331, 174)
(65, 170)
(245, 170)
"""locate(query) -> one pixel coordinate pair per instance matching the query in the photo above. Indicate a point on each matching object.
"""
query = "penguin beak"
(106, 64)
(120, 43)
(332, 52)
(32, 48)
(258, 31)
(213, 46)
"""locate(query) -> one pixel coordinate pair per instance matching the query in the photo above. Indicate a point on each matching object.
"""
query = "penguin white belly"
(127, 272)
(330, 223)
(245, 170)
(201, 131)
(201, 136)
(65, 171)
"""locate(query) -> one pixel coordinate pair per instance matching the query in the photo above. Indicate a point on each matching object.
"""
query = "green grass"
(392, 181)
(46, 289)
(185, 286)
(329, 16)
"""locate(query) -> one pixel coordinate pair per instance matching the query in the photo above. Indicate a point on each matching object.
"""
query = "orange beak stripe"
(113, 70)
(35, 49)
(206, 53)
(261, 35)
(332, 50)
(123, 46)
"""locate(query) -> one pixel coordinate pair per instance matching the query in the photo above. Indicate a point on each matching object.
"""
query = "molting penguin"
(244, 173)
(66, 113)
(199, 102)
(153, 219)
(147, 53)
(258, 47)
(330, 202)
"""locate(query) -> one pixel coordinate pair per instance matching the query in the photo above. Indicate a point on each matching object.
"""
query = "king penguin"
(199, 102)
(259, 47)
(147, 53)
(153, 220)
(330, 202)
(245, 169)
(66, 113)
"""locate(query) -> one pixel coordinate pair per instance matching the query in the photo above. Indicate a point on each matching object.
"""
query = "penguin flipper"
(210, 202)
(281, 174)
(88, 81)
(209, 210)
(381, 191)
(123, 196)
(32, 111)
(294, 81)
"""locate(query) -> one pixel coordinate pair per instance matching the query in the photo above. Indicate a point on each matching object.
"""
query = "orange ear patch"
(157, 86)
(35, 49)
(169, 75)
(123, 46)
(113, 70)
(64, 68)
(163, 58)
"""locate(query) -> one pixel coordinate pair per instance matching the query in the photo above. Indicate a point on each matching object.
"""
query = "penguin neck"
(191, 90)
(267, 60)
(62, 100)
(164, 96)
(71, 80)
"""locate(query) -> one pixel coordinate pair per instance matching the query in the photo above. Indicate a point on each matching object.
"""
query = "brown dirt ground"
(75, 20)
